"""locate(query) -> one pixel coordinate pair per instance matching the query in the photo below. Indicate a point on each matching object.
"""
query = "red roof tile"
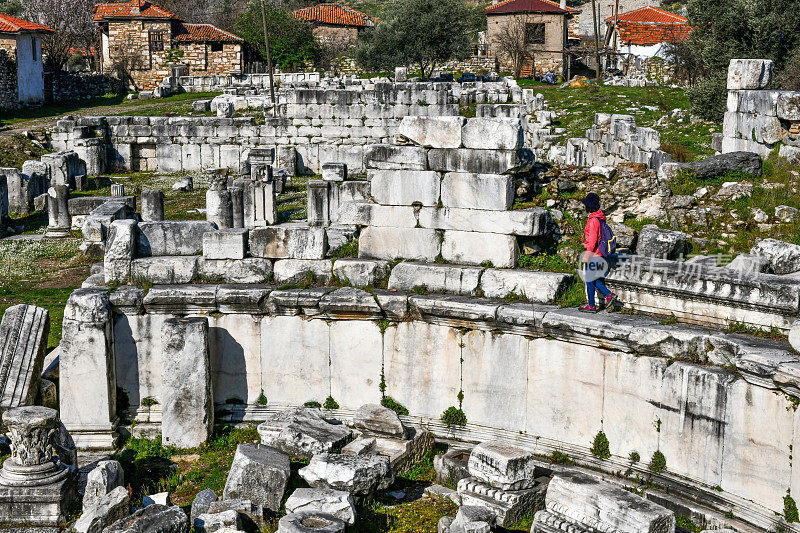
(649, 14)
(9, 24)
(203, 33)
(649, 25)
(573, 10)
(336, 14)
(133, 9)
(524, 6)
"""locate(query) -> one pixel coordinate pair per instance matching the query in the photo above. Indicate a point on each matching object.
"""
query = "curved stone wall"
(713, 427)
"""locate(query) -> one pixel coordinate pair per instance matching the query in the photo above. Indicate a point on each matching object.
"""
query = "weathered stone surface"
(183, 238)
(184, 184)
(588, 501)
(106, 510)
(451, 279)
(87, 370)
(152, 205)
(302, 432)
(360, 272)
(452, 466)
(538, 287)
(472, 519)
(472, 248)
(120, 251)
(152, 519)
(477, 191)
(48, 393)
(338, 503)
(165, 270)
(225, 244)
(210, 523)
(784, 257)
(714, 166)
(789, 105)
(356, 474)
(187, 399)
(201, 503)
(159, 498)
(104, 478)
(507, 506)
(334, 171)
(373, 419)
(258, 473)
(502, 465)
(433, 132)
(23, 342)
(391, 243)
(350, 301)
(289, 241)
(492, 133)
(748, 264)
(474, 160)
(298, 270)
(247, 270)
(388, 157)
(405, 187)
(664, 244)
(750, 74)
(310, 522)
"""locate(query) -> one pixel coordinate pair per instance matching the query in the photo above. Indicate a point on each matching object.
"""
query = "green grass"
(16, 149)
(579, 105)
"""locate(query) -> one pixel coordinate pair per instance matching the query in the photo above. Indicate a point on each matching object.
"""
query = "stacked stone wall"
(68, 87)
(615, 139)
(8, 81)
(758, 119)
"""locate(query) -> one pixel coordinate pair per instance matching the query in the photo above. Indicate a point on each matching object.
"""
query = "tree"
(72, 22)
(764, 29)
(512, 43)
(291, 41)
(424, 33)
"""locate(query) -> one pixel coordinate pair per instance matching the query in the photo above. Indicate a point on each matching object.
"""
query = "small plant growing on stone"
(635, 457)
(262, 399)
(149, 402)
(601, 447)
(330, 403)
(454, 417)
(390, 403)
(315, 405)
(559, 458)
(658, 463)
(790, 509)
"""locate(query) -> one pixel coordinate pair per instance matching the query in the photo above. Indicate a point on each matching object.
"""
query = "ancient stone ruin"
(393, 327)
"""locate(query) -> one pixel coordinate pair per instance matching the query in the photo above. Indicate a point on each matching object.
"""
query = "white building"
(22, 40)
(643, 34)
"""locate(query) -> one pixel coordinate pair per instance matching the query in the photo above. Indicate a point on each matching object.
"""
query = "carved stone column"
(36, 488)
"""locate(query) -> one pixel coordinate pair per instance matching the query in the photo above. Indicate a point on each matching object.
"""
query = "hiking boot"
(587, 309)
(610, 299)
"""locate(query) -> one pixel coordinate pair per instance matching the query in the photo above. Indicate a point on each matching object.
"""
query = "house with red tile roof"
(142, 42)
(541, 26)
(644, 33)
(335, 22)
(21, 80)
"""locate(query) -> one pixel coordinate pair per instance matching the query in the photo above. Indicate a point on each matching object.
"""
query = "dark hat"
(592, 202)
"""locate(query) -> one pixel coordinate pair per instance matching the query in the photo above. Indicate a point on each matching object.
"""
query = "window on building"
(534, 33)
(156, 41)
(216, 47)
(34, 46)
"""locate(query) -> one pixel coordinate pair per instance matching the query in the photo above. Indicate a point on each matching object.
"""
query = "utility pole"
(269, 61)
(596, 20)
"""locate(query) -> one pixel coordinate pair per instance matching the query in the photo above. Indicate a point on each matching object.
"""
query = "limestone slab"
(24, 332)
(258, 473)
(356, 474)
(473, 248)
(477, 191)
(338, 503)
(433, 132)
(225, 244)
(289, 241)
(302, 432)
(405, 187)
(183, 238)
(453, 279)
(537, 287)
(390, 243)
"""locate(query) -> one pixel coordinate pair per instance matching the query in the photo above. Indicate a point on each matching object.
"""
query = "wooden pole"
(596, 38)
(269, 61)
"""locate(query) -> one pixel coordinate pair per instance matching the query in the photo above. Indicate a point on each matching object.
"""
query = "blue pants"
(596, 285)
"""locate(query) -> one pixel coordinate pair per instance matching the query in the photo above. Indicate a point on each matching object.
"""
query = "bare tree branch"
(72, 22)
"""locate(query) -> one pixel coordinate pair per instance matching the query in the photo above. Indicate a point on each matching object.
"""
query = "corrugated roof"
(336, 14)
(9, 24)
(649, 14)
(133, 9)
(525, 6)
(203, 33)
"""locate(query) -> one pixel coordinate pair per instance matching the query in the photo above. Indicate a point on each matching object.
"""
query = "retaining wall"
(715, 405)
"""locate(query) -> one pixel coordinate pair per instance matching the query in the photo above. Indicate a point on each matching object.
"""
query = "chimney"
(563, 4)
(136, 10)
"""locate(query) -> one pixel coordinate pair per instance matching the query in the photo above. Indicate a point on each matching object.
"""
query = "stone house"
(546, 27)
(641, 35)
(142, 41)
(335, 22)
(21, 65)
